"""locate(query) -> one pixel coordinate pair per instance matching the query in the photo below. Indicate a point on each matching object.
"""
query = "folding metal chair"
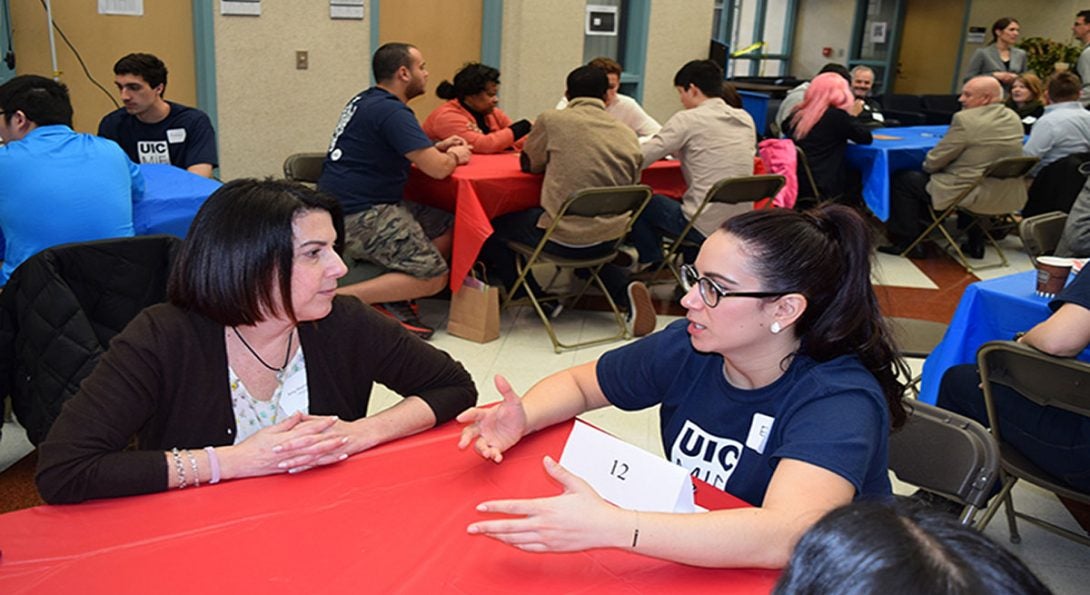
(815, 193)
(1044, 379)
(730, 191)
(304, 167)
(947, 454)
(1010, 168)
(1041, 233)
(591, 202)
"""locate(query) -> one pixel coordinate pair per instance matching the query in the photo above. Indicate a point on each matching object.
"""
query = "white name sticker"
(625, 475)
(294, 395)
(759, 429)
(176, 135)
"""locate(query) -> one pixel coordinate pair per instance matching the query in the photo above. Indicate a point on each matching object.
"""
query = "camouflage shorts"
(398, 237)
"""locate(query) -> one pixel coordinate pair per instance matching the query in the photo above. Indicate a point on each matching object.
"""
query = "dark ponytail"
(470, 80)
(445, 90)
(825, 254)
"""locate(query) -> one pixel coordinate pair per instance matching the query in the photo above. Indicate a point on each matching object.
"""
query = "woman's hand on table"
(578, 519)
(293, 445)
(493, 430)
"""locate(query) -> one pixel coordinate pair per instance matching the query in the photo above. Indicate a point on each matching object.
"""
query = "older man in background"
(862, 83)
(983, 132)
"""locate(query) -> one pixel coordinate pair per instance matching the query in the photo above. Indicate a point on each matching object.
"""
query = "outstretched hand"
(578, 519)
(493, 430)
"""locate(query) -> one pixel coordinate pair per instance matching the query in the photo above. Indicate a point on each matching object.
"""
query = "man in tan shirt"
(579, 147)
(983, 132)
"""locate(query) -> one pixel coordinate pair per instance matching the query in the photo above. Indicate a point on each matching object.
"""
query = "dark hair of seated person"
(239, 250)
(705, 75)
(145, 66)
(472, 79)
(901, 547)
(587, 81)
(1064, 86)
(42, 100)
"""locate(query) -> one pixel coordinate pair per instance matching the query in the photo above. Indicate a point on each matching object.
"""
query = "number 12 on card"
(626, 475)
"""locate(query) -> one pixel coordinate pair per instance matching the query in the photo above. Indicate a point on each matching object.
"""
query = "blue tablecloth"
(878, 160)
(171, 199)
(988, 311)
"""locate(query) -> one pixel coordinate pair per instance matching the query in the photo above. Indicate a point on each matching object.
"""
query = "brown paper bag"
(475, 311)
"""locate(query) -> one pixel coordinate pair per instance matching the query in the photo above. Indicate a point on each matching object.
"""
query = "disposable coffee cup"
(1052, 275)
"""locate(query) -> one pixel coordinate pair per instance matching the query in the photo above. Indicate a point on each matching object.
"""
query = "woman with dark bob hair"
(253, 367)
(780, 387)
(901, 547)
(999, 58)
(472, 114)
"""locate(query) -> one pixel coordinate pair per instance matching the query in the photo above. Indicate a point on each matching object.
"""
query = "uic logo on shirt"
(708, 457)
(153, 151)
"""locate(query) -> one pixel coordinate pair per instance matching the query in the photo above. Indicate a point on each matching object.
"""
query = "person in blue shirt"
(153, 130)
(376, 142)
(59, 186)
(780, 387)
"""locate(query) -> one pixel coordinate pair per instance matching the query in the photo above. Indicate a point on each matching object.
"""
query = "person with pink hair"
(821, 126)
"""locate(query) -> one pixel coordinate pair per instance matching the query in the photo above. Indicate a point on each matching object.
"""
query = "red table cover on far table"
(493, 185)
(392, 519)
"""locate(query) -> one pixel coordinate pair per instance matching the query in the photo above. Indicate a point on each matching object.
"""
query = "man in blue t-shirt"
(374, 145)
(58, 186)
(153, 130)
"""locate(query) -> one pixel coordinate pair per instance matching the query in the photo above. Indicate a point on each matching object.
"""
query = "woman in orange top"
(472, 114)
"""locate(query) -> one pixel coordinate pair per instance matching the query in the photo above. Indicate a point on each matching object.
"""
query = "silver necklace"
(287, 355)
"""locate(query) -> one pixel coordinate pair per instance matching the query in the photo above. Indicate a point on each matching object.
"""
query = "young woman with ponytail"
(780, 387)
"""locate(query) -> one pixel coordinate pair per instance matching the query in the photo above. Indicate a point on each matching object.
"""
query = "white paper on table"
(625, 475)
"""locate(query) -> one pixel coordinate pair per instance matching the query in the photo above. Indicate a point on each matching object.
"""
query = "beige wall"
(267, 108)
(820, 24)
(166, 30)
(1038, 18)
(542, 42)
(679, 31)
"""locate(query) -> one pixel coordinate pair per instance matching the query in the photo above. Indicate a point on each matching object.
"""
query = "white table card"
(625, 475)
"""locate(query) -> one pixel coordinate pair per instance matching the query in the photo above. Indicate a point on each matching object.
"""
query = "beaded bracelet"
(214, 463)
(193, 465)
(179, 467)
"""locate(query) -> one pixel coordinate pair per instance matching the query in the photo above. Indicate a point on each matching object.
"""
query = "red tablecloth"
(389, 520)
(493, 185)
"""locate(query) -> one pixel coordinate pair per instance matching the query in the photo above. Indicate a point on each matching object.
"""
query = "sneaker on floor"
(641, 310)
(408, 314)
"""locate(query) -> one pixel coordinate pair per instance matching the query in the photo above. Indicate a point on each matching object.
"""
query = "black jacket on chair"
(59, 311)
(1056, 186)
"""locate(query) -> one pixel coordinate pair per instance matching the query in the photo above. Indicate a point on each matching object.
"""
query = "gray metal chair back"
(304, 167)
(729, 191)
(1041, 233)
(1046, 380)
(945, 453)
(604, 202)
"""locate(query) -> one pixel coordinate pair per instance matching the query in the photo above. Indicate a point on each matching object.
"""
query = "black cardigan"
(164, 379)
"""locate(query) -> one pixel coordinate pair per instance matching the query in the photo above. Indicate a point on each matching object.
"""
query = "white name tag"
(759, 429)
(294, 395)
(626, 475)
(176, 135)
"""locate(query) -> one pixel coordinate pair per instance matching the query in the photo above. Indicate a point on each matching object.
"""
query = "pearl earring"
(775, 328)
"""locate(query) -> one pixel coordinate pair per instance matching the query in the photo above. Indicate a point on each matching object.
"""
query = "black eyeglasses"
(711, 293)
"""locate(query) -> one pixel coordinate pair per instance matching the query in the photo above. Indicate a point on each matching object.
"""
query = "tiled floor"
(927, 289)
